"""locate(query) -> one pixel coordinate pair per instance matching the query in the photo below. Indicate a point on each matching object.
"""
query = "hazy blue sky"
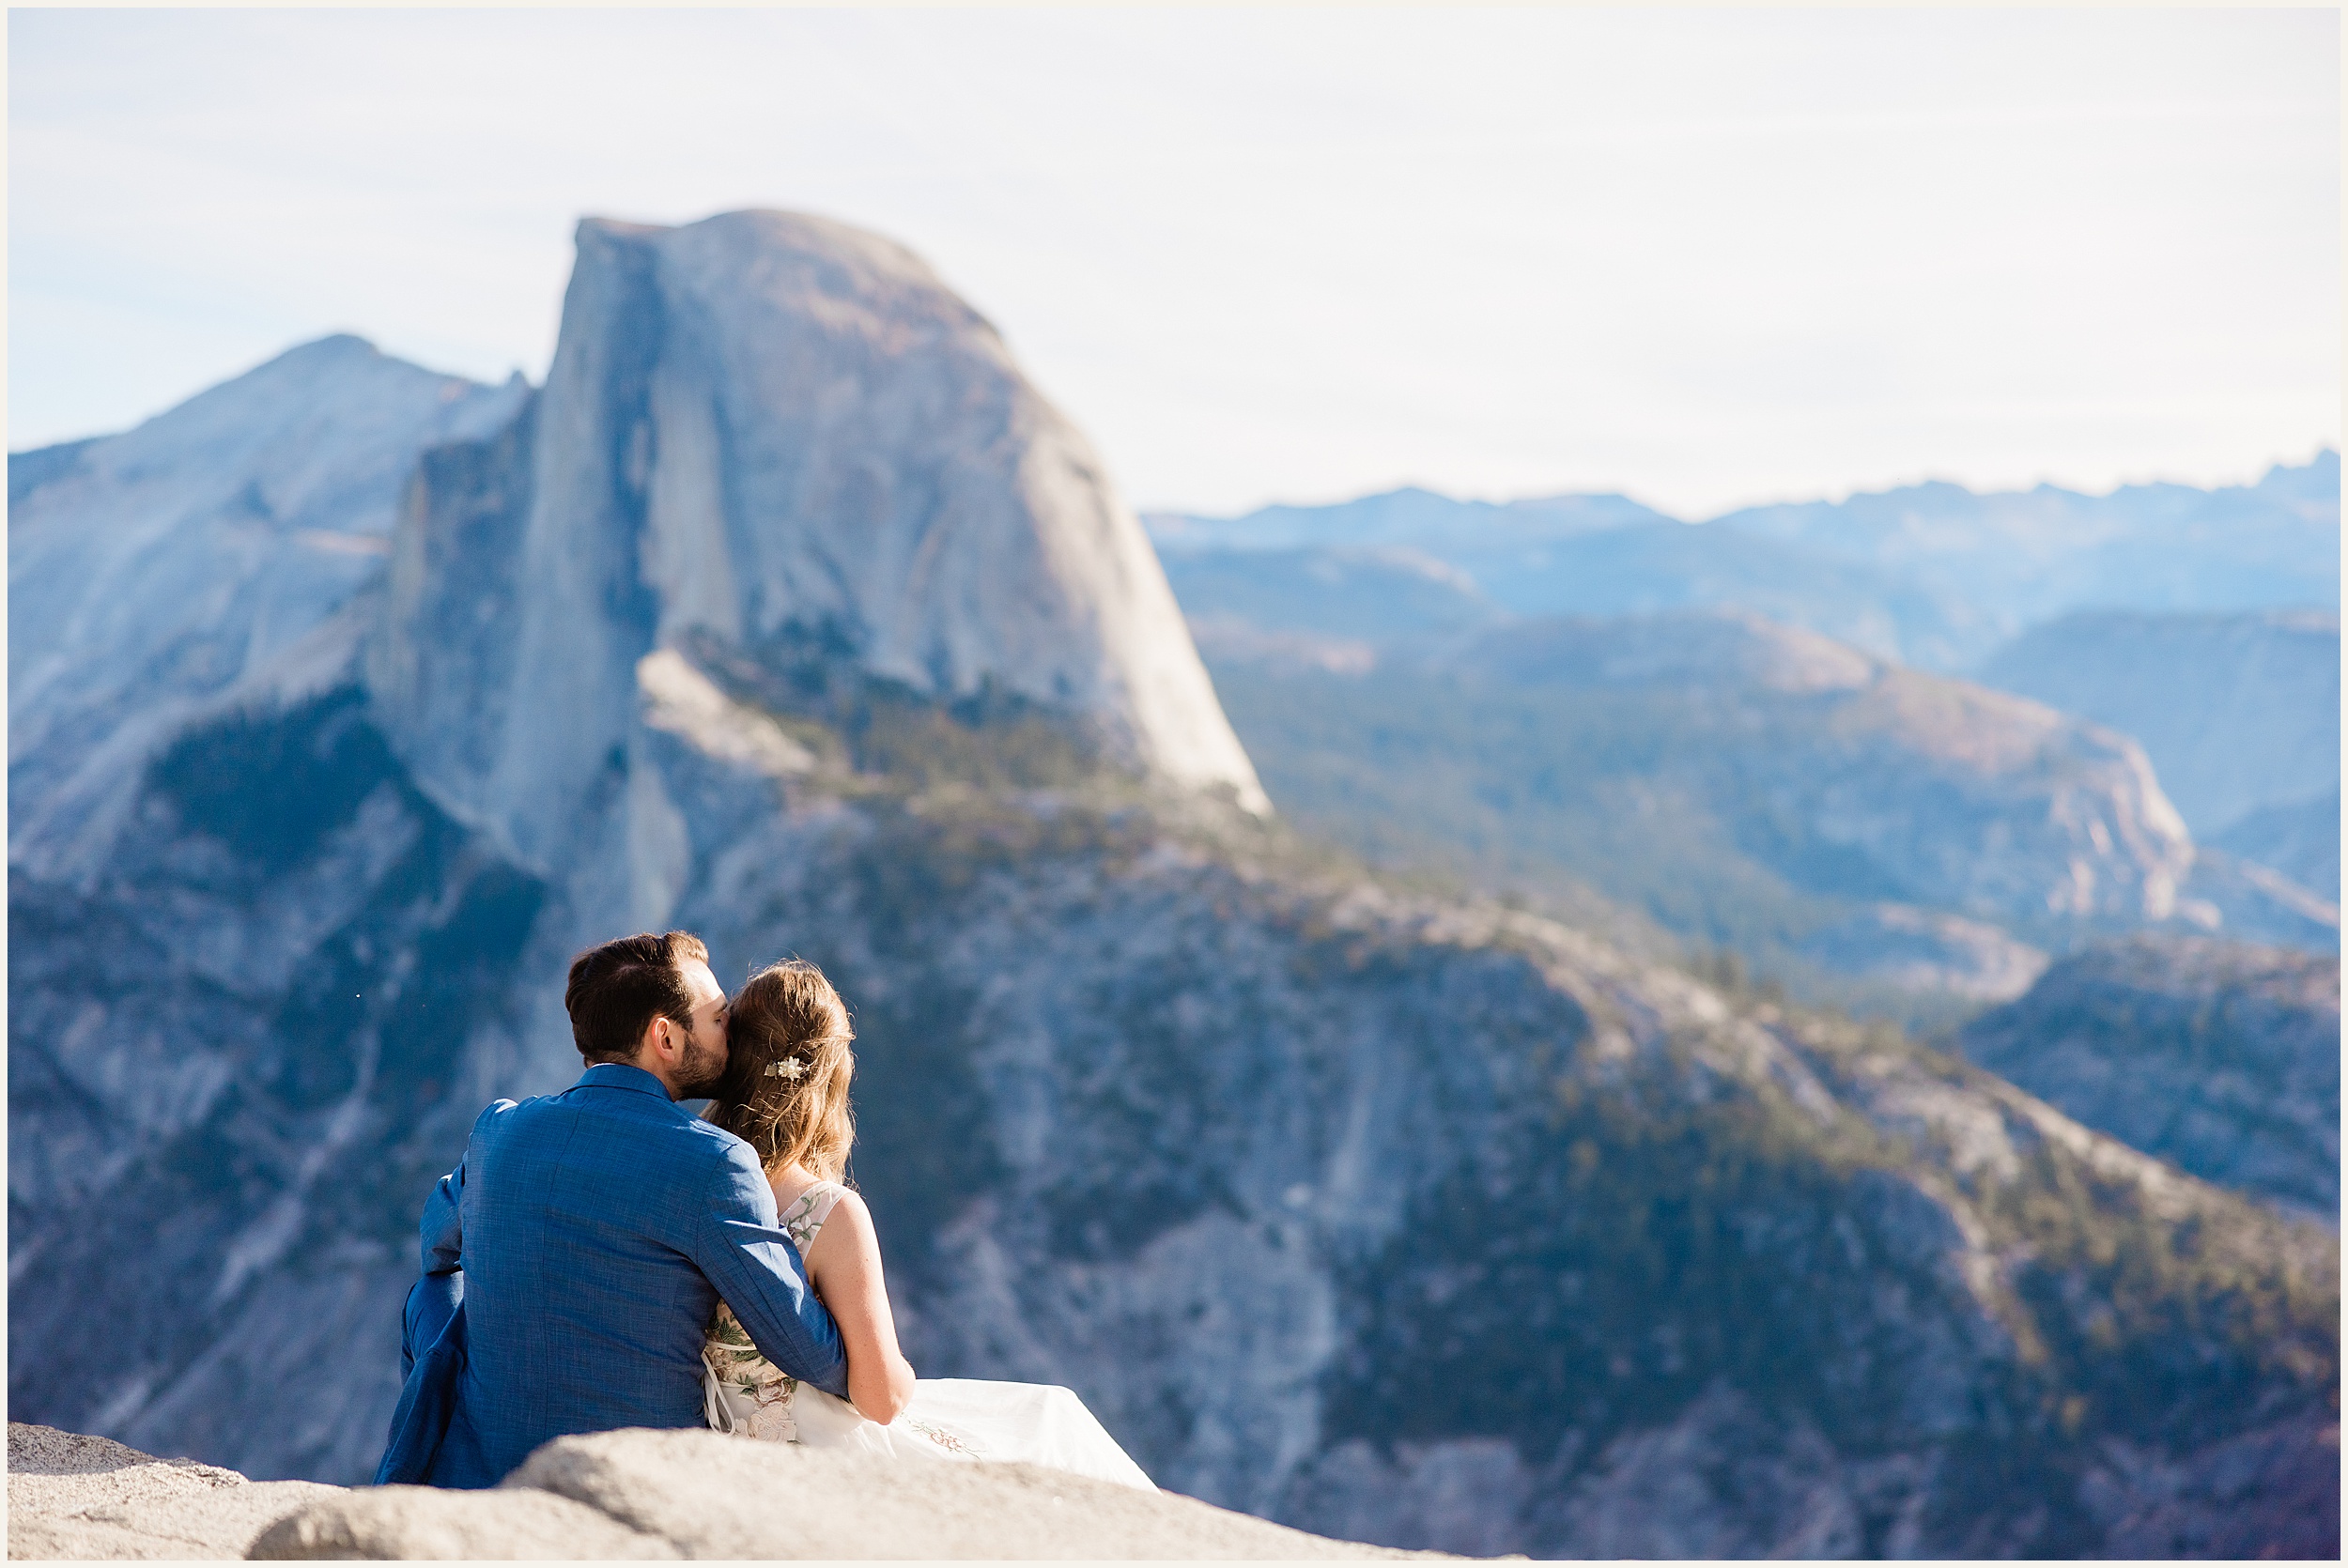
(1704, 258)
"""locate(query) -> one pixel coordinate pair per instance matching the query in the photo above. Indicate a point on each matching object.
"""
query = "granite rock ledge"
(616, 1494)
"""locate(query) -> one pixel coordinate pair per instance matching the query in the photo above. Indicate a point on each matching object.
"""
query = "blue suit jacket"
(572, 1261)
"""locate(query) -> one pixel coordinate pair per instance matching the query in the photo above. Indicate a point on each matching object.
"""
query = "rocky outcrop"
(2221, 1057)
(618, 1495)
(76, 1497)
(2238, 713)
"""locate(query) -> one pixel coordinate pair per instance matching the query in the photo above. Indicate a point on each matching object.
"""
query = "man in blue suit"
(573, 1258)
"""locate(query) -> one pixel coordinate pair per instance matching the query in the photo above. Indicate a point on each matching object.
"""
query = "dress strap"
(807, 1212)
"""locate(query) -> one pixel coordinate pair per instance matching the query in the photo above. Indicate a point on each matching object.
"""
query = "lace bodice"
(742, 1391)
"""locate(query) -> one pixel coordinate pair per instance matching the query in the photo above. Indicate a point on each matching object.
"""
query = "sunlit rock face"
(785, 435)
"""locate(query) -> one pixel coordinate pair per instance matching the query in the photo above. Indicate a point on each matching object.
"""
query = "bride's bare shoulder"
(848, 1204)
(846, 1239)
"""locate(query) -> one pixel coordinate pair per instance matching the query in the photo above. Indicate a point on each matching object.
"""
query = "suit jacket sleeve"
(432, 1301)
(443, 1232)
(759, 1273)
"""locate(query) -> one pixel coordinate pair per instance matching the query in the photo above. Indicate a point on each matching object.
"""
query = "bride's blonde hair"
(788, 1064)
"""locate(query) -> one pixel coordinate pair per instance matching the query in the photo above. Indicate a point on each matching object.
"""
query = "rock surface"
(421, 1524)
(75, 1496)
(616, 1494)
(2220, 1057)
(716, 1497)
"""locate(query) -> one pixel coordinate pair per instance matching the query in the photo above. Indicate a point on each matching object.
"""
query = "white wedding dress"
(948, 1418)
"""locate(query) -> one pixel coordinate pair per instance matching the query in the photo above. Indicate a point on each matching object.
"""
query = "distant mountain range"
(1353, 644)
(1932, 575)
(1848, 825)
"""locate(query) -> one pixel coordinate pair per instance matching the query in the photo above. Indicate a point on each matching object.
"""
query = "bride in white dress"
(786, 1092)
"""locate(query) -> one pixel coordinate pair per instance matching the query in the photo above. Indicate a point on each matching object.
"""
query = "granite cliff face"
(785, 436)
(1390, 1216)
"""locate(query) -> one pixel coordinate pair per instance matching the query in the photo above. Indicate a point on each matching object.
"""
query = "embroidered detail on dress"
(939, 1435)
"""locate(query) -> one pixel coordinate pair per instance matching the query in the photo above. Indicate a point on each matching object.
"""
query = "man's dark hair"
(618, 988)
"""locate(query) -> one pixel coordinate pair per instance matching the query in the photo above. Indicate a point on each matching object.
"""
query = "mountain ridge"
(1932, 574)
(2315, 480)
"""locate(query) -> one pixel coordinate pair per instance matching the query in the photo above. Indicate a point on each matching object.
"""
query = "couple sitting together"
(602, 1258)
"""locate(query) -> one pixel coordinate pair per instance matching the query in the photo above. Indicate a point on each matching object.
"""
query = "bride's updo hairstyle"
(788, 1064)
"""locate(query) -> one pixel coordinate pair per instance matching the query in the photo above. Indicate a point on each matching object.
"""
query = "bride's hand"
(844, 1267)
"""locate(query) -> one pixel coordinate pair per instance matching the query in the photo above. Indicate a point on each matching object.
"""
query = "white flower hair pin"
(788, 1067)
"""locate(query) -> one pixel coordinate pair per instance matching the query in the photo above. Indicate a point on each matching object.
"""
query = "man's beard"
(703, 1070)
